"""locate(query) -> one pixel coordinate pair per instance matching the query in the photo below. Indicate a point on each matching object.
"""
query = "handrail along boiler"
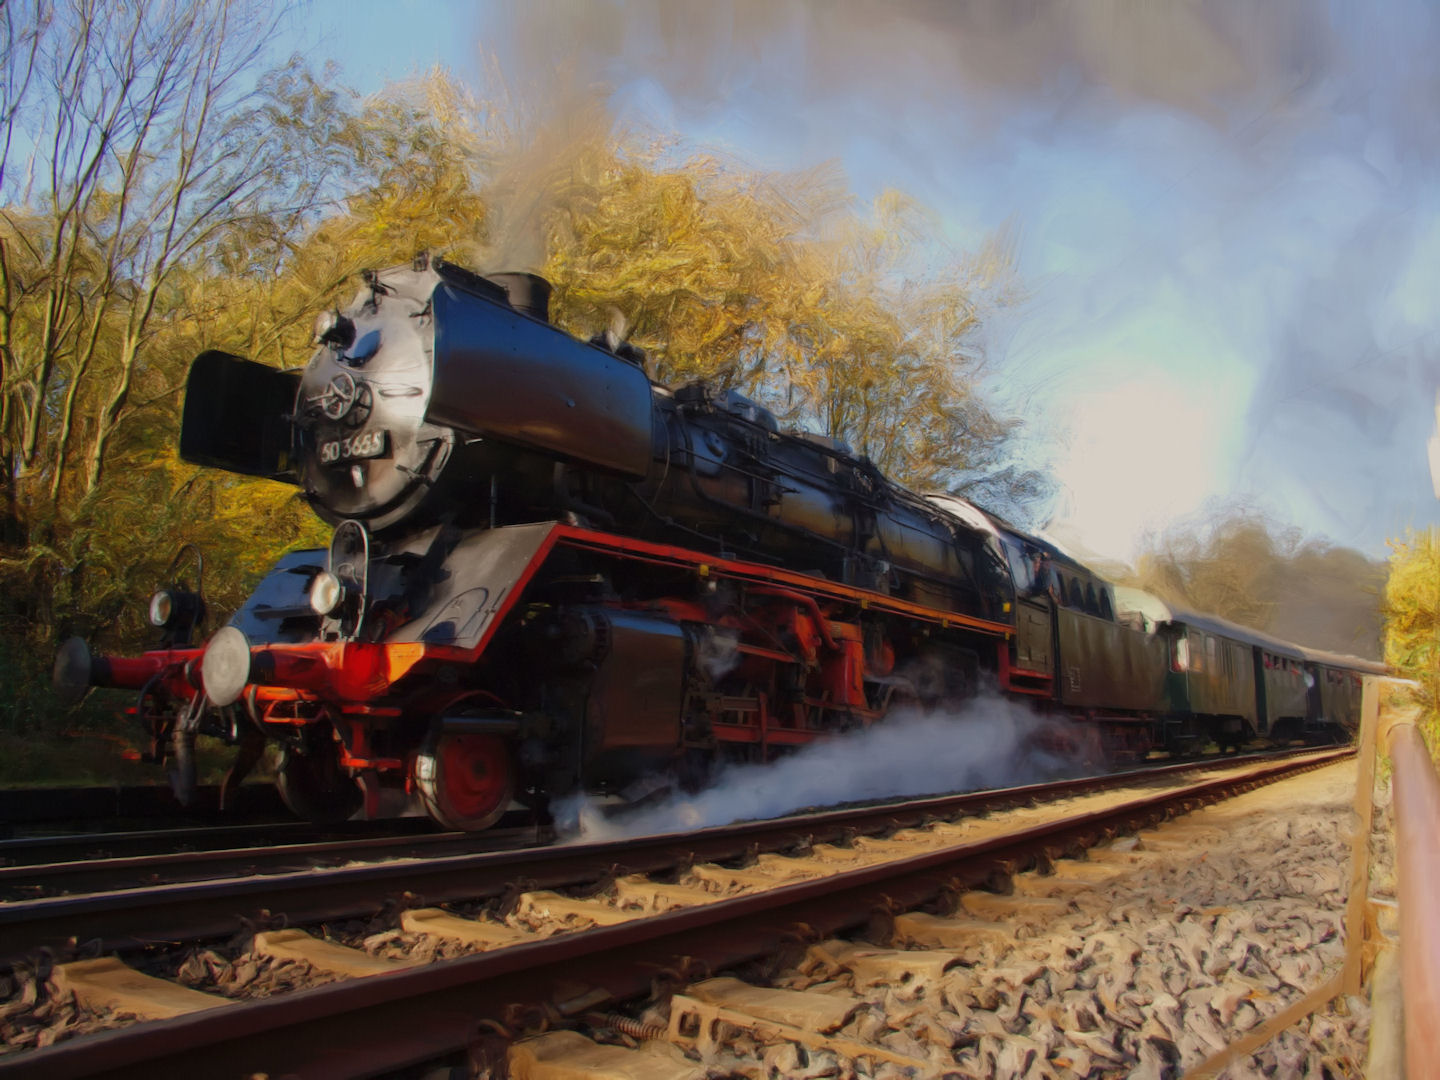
(548, 572)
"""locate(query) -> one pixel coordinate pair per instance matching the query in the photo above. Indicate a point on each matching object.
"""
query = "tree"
(143, 132)
(1235, 561)
(173, 200)
(772, 285)
(135, 140)
(1412, 620)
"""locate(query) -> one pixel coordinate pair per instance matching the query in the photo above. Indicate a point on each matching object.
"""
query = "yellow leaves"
(762, 281)
(856, 324)
(1412, 618)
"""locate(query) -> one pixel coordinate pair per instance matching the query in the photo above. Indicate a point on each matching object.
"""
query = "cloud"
(1207, 194)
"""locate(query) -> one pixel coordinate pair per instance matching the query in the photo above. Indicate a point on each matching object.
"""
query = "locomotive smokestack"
(528, 293)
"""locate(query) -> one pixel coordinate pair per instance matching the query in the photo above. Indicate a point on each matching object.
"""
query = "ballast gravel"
(1189, 949)
(1144, 976)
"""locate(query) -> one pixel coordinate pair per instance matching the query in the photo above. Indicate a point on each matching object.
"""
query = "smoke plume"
(990, 743)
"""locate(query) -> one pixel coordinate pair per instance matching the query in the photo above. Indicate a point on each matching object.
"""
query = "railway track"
(35, 811)
(77, 846)
(34, 867)
(129, 903)
(366, 1026)
(103, 863)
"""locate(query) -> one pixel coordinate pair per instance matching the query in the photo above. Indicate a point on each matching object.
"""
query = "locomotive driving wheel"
(466, 780)
(314, 786)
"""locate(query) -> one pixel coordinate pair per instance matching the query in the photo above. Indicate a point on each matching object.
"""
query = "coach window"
(1210, 651)
(1092, 605)
(1077, 597)
(1022, 569)
(1197, 660)
(1107, 609)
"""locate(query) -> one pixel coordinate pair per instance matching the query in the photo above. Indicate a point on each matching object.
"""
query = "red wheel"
(466, 781)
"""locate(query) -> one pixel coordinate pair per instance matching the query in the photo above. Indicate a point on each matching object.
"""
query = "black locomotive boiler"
(549, 573)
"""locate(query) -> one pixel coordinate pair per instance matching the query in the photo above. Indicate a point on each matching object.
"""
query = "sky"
(1226, 216)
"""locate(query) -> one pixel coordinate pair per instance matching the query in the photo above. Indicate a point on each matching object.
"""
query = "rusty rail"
(1417, 846)
(364, 1027)
(194, 910)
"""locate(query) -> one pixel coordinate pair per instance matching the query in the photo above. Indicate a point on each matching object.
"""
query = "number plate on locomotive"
(364, 444)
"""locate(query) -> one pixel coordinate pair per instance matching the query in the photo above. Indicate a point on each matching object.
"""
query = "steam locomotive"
(549, 573)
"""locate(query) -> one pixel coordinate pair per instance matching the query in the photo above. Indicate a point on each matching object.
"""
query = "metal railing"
(1417, 852)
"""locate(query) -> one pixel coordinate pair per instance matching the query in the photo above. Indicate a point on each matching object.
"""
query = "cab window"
(1021, 568)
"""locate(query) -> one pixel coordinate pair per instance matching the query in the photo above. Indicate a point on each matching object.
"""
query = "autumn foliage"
(1412, 620)
(1236, 561)
(160, 196)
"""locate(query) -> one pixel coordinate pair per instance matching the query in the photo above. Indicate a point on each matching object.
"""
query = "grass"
(46, 744)
(94, 759)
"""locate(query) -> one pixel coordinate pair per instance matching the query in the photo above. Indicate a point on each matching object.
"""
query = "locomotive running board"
(755, 574)
(489, 569)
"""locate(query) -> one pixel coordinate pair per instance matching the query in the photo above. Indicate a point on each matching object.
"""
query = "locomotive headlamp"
(162, 608)
(326, 592)
(177, 611)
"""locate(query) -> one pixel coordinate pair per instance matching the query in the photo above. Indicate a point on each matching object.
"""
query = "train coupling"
(77, 669)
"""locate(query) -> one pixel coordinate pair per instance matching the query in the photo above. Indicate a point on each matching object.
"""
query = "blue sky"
(1227, 221)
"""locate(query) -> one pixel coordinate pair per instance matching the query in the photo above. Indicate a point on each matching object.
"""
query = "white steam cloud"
(991, 743)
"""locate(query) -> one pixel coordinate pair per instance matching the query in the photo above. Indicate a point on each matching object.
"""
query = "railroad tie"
(814, 1012)
(874, 966)
(324, 955)
(810, 1019)
(833, 853)
(1070, 878)
(1126, 858)
(437, 923)
(919, 928)
(568, 1055)
(952, 832)
(544, 904)
(636, 889)
(109, 983)
(895, 845)
(1182, 838)
(763, 875)
(986, 905)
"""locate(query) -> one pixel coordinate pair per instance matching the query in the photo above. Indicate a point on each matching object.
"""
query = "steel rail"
(383, 1023)
(134, 871)
(50, 806)
(104, 862)
(38, 851)
(140, 917)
